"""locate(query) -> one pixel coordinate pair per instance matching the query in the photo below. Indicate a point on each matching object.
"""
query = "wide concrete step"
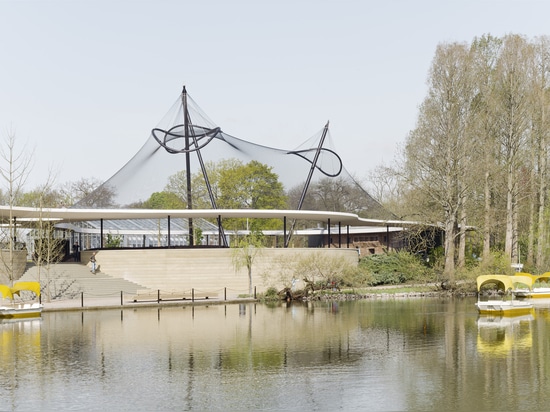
(68, 280)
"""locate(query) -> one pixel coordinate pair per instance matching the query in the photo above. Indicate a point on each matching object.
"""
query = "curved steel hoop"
(177, 132)
(299, 153)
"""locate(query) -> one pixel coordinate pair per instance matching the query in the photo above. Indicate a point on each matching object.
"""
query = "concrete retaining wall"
(19, 264)
(205, 270)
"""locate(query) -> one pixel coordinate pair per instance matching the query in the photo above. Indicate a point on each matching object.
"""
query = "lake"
(373, 354)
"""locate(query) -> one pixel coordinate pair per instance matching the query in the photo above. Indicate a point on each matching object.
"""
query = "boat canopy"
(545, 277)
(8, 292)
(505, 282)
(5, 291)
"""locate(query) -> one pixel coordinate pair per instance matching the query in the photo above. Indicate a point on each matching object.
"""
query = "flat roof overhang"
(64, 215)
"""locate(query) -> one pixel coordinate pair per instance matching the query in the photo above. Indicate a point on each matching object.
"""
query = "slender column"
(284, 232)
(168, 242)
(329, 242)
(220, 232)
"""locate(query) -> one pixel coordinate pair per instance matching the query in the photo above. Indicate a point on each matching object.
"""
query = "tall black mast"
(187, 163)
(308, 180)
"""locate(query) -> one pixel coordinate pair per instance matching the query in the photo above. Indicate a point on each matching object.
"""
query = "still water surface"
(410, 354)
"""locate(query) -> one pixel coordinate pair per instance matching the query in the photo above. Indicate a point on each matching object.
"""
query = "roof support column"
(168, 240)
(329, 239)
(220, 231)
(285, 245)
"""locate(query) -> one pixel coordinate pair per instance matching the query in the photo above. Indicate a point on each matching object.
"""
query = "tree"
(177, 183)
(250, 186)
(511, 104)
(339, 194)
(87, 192)
(235, 186)
(41, 196)
(247, 249)
(437, 155)
(485, 51)
(540, 141)
(163, 200)
(14, 171)
(384, 186)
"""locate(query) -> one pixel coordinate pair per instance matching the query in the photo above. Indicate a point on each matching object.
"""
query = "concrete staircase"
(69, 280)
(176, 273)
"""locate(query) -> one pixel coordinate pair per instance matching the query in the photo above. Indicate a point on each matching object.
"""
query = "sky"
(83, 82)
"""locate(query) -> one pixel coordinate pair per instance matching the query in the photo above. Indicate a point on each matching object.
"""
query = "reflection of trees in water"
(422, 353)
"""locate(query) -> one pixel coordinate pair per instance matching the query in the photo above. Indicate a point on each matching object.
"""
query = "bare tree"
(87, 192)
(437, 155)
(511, 104)
(14, 171)
(540, 141)
(245, 252)
(485, 51)
(48, 244)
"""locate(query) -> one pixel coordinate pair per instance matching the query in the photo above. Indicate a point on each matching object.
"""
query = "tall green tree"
(437, 155)
(537, 245)
(235, 186)
(163, 200)
(485, 51)
(511, 110)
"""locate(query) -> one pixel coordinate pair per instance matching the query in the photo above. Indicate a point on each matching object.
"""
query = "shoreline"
(116, 302)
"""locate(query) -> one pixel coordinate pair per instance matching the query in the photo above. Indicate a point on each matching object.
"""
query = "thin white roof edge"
(68, 215)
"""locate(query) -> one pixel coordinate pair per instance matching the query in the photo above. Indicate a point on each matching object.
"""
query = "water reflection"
(417, 354)
(499, 335)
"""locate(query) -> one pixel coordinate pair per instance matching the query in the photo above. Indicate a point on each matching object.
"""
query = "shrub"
(396, 267)
(271, 292)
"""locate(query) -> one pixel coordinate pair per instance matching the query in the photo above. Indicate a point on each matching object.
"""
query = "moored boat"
(502, 307)
(533, 293)
(536, 290)
(20, 310)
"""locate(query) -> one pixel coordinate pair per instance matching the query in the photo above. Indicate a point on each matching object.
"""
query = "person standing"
(76, 251)
(93, 261)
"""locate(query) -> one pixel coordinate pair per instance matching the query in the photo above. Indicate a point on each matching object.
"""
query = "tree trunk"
(450, 224)
(461, 259)
(532, 207)
(509, 239)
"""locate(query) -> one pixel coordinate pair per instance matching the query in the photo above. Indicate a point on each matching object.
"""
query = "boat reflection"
(498, 335)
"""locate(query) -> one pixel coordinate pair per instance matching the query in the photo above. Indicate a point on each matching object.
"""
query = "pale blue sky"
(84, 81)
